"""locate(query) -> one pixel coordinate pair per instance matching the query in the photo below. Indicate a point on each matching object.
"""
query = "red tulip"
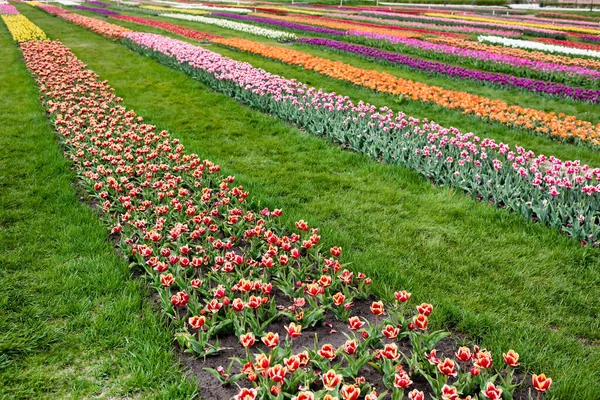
(402, 380)
(197, 322)
(277, 373)
(327, 351)
(338, 299)
(377, 308)
(271, 340)
(390, 331)
(492, 392)
(416, 395)
(350, 392)
(293, 330)
(390, 351)
(355, 323)
(350, 347)
(541, 383)
(331, 379)
(402, 296)
(425, 309)
(420, 321)
(511, 358)
(448, 367)
(247, 340)
(463, 354)
(167, 280)
(335, 251)
(246, 394)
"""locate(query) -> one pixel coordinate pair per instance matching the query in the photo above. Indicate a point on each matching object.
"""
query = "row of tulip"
(217, 265)
(97, 3)
(528, 31)
(482, 59)
(442, 69)
(8, 9)
(567, 28)
(530, 45)
(179, 30)
(22, 29)
(429, 26)
(570, 17)
(101, 11)
(237, 26)
(562, 194)
(211, 8)
(512, 52)
(335, 23)
(99, 26)
(168, 9)
(571, 75)
(282, 24)
(577, 45)
(561, 127)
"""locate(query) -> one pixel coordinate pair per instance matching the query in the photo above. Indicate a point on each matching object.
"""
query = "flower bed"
(101, 11)
(218, 266)
(510, 52)
(319, 20)
(441, 69)
(102, 27)
(236, 26)
(561, 127)
(97, 3)
(8, 9)
(525, 24)
(22, 29)
(179, 30)
(529, 31)
(283, 24)
(550, 48)
(577, 45)
(429, 26)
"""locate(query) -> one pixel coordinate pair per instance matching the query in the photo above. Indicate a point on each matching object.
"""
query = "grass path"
(488, 273)
(73, 323)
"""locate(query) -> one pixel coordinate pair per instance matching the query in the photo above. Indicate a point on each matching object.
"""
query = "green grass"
(73, 323)
(443, 116)
(507, 282)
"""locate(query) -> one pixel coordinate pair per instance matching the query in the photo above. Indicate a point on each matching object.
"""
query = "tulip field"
(256, 200)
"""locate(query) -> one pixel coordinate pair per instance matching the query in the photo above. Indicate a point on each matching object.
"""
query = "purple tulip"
(432, 67)
(101, 11)
(285, 24)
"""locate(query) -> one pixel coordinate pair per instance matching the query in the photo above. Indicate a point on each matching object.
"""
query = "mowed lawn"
(500, 279)
(73, 323)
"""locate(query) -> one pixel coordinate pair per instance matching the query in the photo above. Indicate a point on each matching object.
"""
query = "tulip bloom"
(416, 395)
(271, 340)
(511, 358)
(355, 323)
(402, 296)
(247, 340)
(492, 392)
(331, 379)
(350, 392)
(327, 351)
(197, 322)
(338, 299)
(541, 383)
(293, 330)
(448, 367)
(390, 331)
(463, 354)
(425, 309)
(246, 394)
(420, 321)
(377, 308)
(402, 380)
